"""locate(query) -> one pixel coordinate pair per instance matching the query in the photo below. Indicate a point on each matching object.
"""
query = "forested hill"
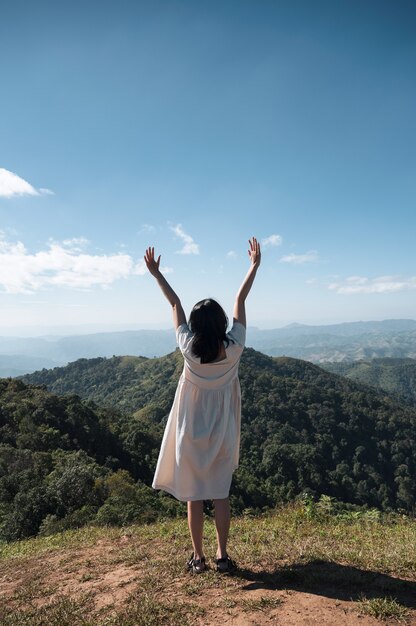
(65, 462)
(393, 376)
(130, 383)
(136, 384)
(303, 429)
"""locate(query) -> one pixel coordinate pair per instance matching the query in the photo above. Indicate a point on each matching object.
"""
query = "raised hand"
(152, 265)
(254, 253)
(239, 313)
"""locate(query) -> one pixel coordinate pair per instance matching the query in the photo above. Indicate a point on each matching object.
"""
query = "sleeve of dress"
(238, 333)
(184, 338)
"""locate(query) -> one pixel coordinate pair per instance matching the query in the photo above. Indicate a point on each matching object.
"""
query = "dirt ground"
(104, 575)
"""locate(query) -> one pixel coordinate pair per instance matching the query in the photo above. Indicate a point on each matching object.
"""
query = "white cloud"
(273, 240)
(146, 228)
(381, 284)
(75, 244)
(231, 254)
(61, 264)
(12, 185)
(140, 268)
(190, 246)
(298, 259)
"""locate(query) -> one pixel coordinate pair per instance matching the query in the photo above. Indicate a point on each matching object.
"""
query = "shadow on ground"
(325, 578)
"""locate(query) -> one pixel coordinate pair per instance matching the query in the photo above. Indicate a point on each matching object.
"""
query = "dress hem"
(191, 498)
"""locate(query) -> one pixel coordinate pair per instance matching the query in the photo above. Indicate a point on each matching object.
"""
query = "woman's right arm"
(239, 313)
(153, 267)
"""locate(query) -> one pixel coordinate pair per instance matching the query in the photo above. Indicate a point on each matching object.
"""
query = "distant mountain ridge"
(17, 354)
(345, 328)
(348, 341)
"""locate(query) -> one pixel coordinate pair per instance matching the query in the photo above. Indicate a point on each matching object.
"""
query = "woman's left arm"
(153, 267)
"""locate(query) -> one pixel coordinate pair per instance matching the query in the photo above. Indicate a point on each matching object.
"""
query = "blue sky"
(193, 126)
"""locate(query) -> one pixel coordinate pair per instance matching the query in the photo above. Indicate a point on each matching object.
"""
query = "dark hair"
(208, 321)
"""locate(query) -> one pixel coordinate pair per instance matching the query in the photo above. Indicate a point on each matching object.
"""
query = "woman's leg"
(222, 525)
(196, 525)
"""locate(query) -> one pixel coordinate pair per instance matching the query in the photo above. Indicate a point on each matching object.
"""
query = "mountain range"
(349, 341)
(304, 431)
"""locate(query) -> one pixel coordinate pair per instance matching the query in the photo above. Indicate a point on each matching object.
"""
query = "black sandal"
(225, 565)
(197, 566)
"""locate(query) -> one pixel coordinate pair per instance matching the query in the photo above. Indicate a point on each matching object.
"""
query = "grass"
(261, 604)
(140, 611)
(386, 608)
(387, 545)
(62, 611)
(87, 535)
(288, 550)
(150, 611)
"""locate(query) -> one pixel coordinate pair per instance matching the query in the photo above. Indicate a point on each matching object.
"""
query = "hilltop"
(302, 564)
(127, 382)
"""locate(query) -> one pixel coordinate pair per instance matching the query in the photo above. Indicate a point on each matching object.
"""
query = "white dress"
(201, 443)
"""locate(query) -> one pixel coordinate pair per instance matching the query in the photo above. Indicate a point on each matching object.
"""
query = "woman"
(200, 446)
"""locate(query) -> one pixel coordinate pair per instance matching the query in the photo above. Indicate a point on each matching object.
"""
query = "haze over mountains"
(350, 341)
